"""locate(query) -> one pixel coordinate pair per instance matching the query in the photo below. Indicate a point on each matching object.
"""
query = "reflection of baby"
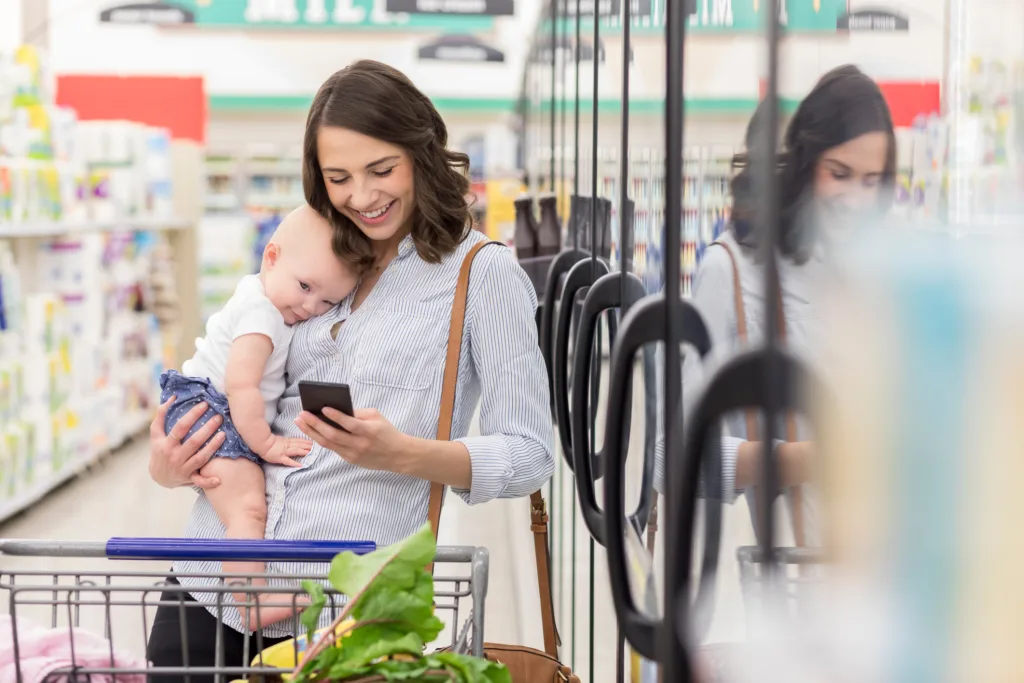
(238, 370)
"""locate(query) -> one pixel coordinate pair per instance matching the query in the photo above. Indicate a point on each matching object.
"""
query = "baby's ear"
(271, 253)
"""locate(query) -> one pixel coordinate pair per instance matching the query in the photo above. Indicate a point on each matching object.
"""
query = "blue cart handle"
(232, 549)
(187, 549)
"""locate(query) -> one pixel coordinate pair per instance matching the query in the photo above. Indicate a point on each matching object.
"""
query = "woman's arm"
(514, 454)
(795, 462)
(713, 299)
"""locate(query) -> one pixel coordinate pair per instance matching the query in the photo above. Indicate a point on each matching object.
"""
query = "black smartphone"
(316, 396)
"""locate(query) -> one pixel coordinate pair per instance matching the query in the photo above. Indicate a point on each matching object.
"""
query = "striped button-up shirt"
(802, 288)
(391, 352)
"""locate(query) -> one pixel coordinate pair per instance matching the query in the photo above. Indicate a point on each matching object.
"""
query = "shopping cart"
(120, 605)
(798, 573)
(784, 600)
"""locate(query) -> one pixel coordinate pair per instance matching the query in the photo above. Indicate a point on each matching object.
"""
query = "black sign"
(879, 20)
(159, 13)
(541, 54)
(460, 48)
(490, 8)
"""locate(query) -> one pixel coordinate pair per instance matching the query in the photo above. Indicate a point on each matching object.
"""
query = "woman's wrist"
(443, 462)
(791, 459)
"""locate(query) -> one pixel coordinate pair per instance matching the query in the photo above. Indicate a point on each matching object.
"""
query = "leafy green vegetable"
(391, 600)
(311, 615)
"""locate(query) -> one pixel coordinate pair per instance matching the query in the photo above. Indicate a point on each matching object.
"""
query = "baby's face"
(306, 279)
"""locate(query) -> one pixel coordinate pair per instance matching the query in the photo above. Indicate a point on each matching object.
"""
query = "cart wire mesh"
(77, 607)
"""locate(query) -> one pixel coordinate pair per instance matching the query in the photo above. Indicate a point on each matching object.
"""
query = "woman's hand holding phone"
(366, 438)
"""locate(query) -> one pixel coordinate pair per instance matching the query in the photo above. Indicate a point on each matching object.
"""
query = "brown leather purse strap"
(791, 431)
(538, 508)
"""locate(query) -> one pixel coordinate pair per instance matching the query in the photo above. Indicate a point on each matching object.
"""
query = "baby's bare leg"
(241, 504)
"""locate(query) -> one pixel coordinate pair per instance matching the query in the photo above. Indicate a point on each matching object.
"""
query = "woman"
(837, 169)
(375, 164)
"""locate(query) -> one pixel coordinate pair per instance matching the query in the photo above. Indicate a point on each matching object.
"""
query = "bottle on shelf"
(549, 231)
(525, 236)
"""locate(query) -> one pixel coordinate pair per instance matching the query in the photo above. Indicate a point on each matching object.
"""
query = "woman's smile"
(378, 215)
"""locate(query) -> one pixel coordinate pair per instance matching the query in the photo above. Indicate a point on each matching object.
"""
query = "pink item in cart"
(44, 652)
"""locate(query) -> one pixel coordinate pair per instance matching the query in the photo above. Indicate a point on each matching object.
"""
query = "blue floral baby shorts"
(188, 393)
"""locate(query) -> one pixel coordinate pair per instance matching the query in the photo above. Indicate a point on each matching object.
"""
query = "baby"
(239, 371)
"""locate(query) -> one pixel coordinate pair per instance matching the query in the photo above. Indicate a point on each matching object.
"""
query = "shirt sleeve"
(514, 454)
(713, 298)
(256, 315)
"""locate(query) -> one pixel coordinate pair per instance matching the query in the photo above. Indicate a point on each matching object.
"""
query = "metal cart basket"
(799, 572)
(119, 604)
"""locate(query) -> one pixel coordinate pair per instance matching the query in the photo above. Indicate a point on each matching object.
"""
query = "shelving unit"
(100, 308)
(706, 202)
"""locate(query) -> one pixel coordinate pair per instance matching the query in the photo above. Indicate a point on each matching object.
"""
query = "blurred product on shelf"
(89, 304)
(79, 358)
(257, 180)
(525, 236)
(54, 167)
(228, 247)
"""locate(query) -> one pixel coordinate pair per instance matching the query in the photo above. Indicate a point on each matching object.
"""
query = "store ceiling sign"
(737, 16)
(337, 15)
(873, 20)
(159, 13)
(490, 8)
(607, 8)
(460, 48)
(749, 15)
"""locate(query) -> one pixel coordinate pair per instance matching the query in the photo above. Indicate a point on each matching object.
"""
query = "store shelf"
(30, 497)
(51, 229)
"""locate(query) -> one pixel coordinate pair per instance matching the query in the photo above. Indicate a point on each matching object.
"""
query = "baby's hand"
(284, 449)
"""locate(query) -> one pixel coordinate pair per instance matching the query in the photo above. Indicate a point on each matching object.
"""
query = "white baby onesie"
(248, 311)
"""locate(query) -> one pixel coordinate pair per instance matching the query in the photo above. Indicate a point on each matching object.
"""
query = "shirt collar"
(405, 247)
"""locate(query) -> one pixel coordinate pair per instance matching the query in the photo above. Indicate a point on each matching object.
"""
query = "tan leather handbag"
(526, 664)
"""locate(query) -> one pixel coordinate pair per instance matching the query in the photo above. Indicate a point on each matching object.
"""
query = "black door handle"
(739, 384)
(605, 294)
(581, 275)
(643, 324)
(561, 265)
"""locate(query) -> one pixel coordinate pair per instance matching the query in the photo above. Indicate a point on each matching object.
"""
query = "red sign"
(176, 103)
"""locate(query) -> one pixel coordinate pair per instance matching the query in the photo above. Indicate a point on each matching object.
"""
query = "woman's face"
(848, 180)
(368, 180)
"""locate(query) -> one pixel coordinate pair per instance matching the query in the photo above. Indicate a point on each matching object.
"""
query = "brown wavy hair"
(375, 100)
(844, 105)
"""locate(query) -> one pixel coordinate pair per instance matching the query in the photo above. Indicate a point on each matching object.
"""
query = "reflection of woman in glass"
(837, 167)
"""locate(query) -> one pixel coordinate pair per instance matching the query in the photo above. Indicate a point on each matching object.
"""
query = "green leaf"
(472, 669)
(391, 598)
(388, 604)
(401, 670)
(311, 615)
(409, 644)
(397, 565)
(424, 587)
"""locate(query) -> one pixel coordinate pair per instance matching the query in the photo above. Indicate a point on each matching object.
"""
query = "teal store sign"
(737, 16)
(320, 15)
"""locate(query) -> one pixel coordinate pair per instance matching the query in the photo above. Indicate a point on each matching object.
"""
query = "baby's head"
(301, 275)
